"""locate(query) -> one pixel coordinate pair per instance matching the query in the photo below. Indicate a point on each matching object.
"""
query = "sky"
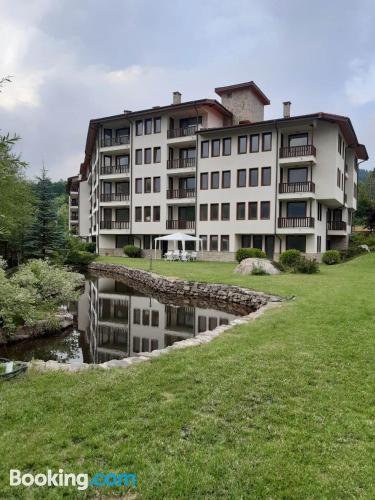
(73, 60)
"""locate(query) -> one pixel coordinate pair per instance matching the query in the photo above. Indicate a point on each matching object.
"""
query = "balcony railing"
(181, 163)
(296, 151)
(180, 224)
(114, 197)
(74, 188)
(296, 187)
(114, 224)
(181, 132)
(74, 203)
(336, 225)
(74, 217)
(287, 222)
(114, 169)
(180, 193)
(115, 141)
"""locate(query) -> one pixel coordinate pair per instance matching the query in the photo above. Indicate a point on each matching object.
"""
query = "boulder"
(247, 265)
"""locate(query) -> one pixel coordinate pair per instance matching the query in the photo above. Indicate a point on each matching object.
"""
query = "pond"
(114, 320)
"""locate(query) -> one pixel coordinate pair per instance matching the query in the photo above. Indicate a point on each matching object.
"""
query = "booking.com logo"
(63, 479)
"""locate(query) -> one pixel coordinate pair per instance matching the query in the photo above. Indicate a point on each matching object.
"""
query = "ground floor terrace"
(223, 247)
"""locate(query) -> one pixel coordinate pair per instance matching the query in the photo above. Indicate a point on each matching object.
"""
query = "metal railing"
(114, 224)
(180, 224)
(115, 141)
(286, 222)
(181, 163)
(336, 225)
(296, 187)
(180, 193)
(114, 197)
(181, 132)
(114, 169)
(295, 151)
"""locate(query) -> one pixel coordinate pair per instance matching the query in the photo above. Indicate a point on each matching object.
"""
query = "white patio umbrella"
(175, 237)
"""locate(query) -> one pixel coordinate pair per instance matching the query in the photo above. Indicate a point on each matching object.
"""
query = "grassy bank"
(281, 408)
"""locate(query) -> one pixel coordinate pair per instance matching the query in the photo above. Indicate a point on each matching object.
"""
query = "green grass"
(279, 408)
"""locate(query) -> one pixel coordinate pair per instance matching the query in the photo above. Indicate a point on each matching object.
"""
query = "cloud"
(360, 88)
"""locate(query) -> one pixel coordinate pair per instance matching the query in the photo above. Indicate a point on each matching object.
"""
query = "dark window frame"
(225, 141)
(257, 172)
(238, 177)
(212, 238)
(238, 144)
(251, 143)
(205, 143)
(138, 151)
(216, 173)
(252, 204)
(138, 182)
(203, 207)
(264, 134)
(157, 130)
(224, 237)
(222, 179)
(204, 175)
(227, 205)
(212, 206)
(268, 169)
(139, 125)
(147, 156)
(215, 141)
(263, 204)
(240, 204)
(148, 126)
(157, 149)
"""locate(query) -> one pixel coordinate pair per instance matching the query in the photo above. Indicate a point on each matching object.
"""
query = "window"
(297, 242)
(203, 237)
(139, 127)
(154, 318)
(156, 214)
(339, 141)
(136, 344)
(107, 137)
(215, 147)
(122, 135)
(138, 186)
(240, 211)
(253, 177)
(203, 212)
(214, 211)
(148, 126)
(224, 243)
(204, 180)
(319, 211)
(246, 241)
(297, 140)
(253, 210)
(107, 161)
(156, 185)
(265, 210)
(138, 156)
(202, 324)
(157, 155)
(215, 180)
(296, 209)
(266, 176)
(138, 214)
(266, 141)
(136, 316)
(214, 242)
(318, 244)
(147, 157)
(297, 175)
(241, 178)
(258, 241)
(145, 318)
(147, 214)
(146, 242)
(157, 125)
(225, 179)
(254, 143)
(147, 185)
(338, 177)
(227, 146)
(355, 190)
(242, 144)
(204, 149)
(225, 211)
(122, 161)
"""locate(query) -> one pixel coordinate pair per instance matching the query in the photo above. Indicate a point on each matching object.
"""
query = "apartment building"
(78, 207)
(220, 171)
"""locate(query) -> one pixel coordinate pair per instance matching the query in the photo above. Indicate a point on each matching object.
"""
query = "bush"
(258, 271)
(307, 266)
(290, 259)
(278, 266)
(90, 247)
(132, 251)
(247, 253)
(79, 258)
(331, 257)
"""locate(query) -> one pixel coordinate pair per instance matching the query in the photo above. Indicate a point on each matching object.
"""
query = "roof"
(343, 122)
(70, 181)
(246, 85)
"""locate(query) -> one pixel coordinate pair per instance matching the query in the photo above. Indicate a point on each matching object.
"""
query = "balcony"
(180, 193)
(182, 132)
(114, 224)
(295, 222)
(297, 154)
(336, 225)
(181, 163)
(105, 198)
(115, 141)
(296, 190)
(114, 169)
(181, 224)
(74, 203)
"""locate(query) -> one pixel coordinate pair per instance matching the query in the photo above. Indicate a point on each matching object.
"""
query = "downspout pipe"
(276, 186)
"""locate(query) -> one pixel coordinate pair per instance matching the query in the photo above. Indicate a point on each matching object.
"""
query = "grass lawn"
(282, 407)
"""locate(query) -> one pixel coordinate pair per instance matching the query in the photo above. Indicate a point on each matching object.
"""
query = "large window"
(225, 181)
(156, 184)
(253, 177)
(297, 140)
(224, 243)
(121, 135)
(297, 175)
(203, 212)
(157, 125)
(122, 161)
(214, 239)
(215, 180)
(297, 242)
(258, 241)
(148, 126)
(204, 180)
(138, 156)
(241, 178)
(204, 149)
(266, 176)
(246, 241)
(296, 209)
(227, 146)
(147, 155)
(225, 211)
(253, 210)
(266, 141)
(139, 127)
(265, 210)
(214, 211)
(254, 143)
(240, 213)
(157, 155)
(242, 144)
(215, 147)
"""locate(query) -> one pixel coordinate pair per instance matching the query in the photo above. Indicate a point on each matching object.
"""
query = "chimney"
(176, 97)
(286, 109)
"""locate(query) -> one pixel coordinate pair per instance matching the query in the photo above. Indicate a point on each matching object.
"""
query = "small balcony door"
(296, 209)
(107, 214)
(186, 183)
(107, 137)
(122, 215)
(297, 175)
(187, 153)
(186, 213)
(107, 187)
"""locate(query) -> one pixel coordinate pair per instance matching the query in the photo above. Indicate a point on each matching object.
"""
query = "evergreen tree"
(45, 235)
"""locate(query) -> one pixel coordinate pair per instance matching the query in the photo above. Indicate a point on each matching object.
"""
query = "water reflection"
(114, 321)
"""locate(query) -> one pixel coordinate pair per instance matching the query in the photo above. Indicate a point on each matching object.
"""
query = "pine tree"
(45, 236)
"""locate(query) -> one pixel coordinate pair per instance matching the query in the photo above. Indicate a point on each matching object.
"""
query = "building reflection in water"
(116, 321)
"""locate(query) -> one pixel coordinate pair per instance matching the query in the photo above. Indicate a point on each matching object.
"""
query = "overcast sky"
(72, 60)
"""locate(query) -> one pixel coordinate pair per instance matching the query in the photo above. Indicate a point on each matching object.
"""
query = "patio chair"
(194, 255)
(176, 255)
(168, 256)
(184, 256)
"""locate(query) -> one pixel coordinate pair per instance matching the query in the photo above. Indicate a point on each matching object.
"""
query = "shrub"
(331, 257)
(307, 266)
(278, 265)
(79, 258)
(258, 271)
(90, 247)
(132, 251)
(290, 258)
(247, 253)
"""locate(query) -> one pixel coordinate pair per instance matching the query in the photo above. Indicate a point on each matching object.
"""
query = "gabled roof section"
(246, 85)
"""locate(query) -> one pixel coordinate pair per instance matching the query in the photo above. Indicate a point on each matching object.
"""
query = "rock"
(365, 247)
(247, 266)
